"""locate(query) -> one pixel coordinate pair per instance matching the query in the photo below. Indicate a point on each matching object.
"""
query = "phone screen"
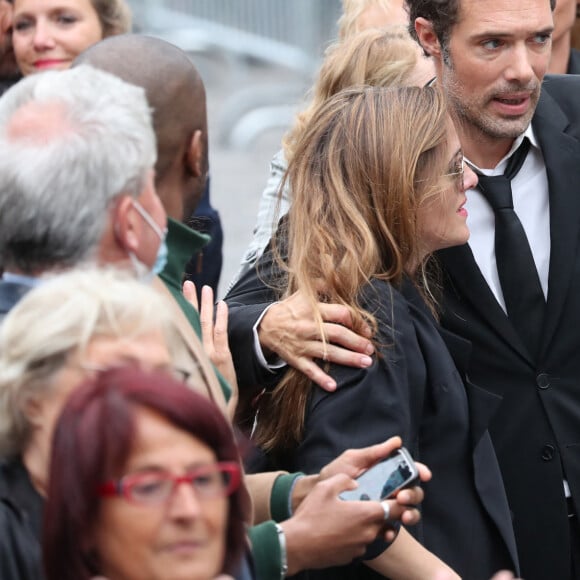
(383, 479)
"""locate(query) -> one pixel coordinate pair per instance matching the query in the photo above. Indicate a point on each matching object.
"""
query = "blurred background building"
(258, 58)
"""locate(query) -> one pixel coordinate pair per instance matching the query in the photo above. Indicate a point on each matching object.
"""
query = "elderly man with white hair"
(77, 152)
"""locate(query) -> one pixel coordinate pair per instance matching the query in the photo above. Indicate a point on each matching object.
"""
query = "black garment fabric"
(21, 510)
(574, 62)
(10, 294)
(466, 519)
(205, 265)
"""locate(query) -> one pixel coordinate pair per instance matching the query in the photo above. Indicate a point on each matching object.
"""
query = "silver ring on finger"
(386, 510)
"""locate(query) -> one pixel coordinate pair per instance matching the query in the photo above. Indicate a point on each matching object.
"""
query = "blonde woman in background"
(359, 15)
(377, 57)
(50, 34)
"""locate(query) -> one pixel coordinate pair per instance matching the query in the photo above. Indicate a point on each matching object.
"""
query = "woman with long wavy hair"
(378, 184)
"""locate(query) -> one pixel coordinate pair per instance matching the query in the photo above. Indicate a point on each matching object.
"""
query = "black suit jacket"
(574, 62)
(414, 390)
(536, 432)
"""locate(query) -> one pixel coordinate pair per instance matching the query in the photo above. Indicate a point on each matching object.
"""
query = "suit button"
(548, 451)
(543, 381)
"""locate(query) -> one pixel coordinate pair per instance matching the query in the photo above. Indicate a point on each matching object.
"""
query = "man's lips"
(513, 103)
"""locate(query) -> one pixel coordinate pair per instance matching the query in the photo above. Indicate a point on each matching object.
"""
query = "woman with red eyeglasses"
(144, 484)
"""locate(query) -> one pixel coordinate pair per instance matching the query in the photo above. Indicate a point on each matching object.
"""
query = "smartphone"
(385, 478)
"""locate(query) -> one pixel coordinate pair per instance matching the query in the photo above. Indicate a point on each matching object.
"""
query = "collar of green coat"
(182, 243)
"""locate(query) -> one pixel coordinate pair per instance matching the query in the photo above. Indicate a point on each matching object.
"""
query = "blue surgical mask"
(161, 259)
(143, 272)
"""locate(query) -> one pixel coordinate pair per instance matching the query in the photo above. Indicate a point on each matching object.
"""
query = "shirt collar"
(22, 279)
(182, 243)
(502, 164)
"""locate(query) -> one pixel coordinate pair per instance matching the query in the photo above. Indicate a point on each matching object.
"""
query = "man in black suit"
(491, 58)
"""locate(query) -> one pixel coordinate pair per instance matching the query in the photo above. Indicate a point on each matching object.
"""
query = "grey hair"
(57, 320)
(56, 187)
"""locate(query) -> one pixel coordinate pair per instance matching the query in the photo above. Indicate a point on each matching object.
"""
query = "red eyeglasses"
(153, 487)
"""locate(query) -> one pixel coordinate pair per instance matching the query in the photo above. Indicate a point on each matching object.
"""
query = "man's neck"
(560, 55)
(481, 149)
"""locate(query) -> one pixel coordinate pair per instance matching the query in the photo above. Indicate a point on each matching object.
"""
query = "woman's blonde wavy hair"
(367, 160)
(348, 23)
(114, 16)
(378, 57)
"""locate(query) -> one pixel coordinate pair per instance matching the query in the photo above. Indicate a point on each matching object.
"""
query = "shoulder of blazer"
(574, 62)
(561, 92)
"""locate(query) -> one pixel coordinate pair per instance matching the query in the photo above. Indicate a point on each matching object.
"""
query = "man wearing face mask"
(76, 179)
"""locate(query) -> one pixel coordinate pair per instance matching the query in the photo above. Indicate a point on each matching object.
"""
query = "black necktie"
(518, 276)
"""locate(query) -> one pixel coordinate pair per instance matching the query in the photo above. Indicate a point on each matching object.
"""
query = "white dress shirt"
(531, 204)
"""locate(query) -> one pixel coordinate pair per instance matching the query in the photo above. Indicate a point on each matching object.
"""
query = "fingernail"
(366, 361)
(370, 349)
(331, 385)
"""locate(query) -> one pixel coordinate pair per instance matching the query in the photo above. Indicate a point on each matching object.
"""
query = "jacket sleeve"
(269, 210)
(270, 492)
(371, 404)
(247, 300)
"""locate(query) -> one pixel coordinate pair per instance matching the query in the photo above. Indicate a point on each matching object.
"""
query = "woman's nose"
(43, 38)
(469, 178)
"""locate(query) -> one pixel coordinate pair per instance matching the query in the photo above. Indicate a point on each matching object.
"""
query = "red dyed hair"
(92, 443)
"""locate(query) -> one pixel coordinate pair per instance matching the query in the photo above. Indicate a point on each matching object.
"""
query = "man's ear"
(427, 37)
(127, 224)
(194, 154)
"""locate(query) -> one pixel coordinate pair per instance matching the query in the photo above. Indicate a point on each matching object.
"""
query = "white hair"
(56, 186)
(58, 319)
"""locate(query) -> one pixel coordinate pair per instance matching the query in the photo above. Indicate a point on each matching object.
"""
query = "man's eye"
(542, 38)
(491, 44)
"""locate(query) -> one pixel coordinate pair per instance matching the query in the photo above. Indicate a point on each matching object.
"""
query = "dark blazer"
(414, 390)
(574, 62)
(536, 432)
(20, 524)
(10, 294)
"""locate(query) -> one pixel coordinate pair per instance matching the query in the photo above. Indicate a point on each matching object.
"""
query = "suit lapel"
(467, 281)
(561, 153)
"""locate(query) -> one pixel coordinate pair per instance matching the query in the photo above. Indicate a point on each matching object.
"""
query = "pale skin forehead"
(503, 17)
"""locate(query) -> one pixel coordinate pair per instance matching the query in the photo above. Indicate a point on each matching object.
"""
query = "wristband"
(283, 554)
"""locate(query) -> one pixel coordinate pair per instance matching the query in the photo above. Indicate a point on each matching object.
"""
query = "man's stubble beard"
(470, 113)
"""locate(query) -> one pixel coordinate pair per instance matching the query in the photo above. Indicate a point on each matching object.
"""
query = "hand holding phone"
(385, 478)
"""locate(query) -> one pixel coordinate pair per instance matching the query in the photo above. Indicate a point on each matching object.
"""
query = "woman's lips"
(48, 63)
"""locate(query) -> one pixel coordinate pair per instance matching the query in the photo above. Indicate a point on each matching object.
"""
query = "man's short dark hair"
(443, 14)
